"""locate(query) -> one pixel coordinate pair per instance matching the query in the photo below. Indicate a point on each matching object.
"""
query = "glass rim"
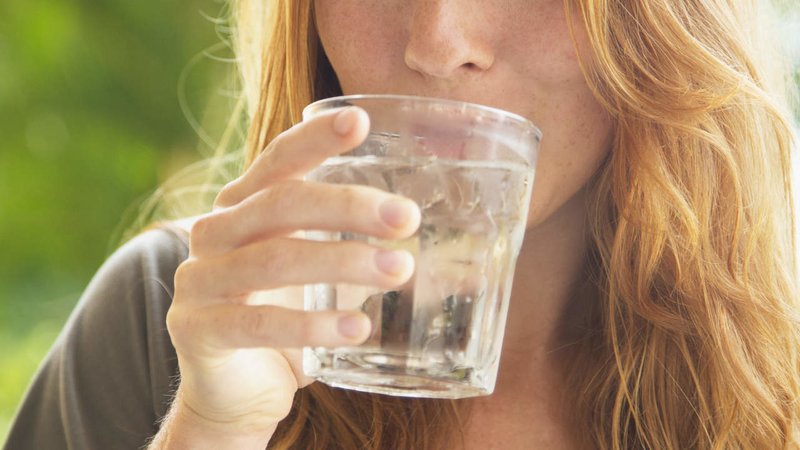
(508, 115)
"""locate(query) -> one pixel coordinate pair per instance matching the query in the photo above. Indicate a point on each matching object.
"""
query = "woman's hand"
(240, 362)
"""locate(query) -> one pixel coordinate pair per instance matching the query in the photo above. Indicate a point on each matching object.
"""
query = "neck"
(549, 267)
(528, 401)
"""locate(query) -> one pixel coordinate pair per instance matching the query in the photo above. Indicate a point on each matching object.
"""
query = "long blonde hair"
(691, 332)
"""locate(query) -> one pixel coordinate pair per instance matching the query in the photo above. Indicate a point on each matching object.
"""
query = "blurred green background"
(91, 123)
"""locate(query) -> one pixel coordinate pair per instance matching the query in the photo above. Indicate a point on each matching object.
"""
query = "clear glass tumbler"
(470, 168)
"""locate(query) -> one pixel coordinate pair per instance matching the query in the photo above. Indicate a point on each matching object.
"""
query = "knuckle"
(280, 139)
(279, 196)
(351, 201)
(225, 195)
(178, 322)
(306, 328)
(258, 324)
(185, 278)
(275, 257)
(271, 154)
(199, 233)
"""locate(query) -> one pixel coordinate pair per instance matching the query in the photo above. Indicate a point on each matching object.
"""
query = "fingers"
(295, 205)
(283, 262)
(298, 150)
(230, 326)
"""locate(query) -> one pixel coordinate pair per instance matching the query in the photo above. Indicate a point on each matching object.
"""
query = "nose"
(446, 39)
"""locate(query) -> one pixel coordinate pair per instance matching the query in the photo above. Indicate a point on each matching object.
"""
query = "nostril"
(446, 58)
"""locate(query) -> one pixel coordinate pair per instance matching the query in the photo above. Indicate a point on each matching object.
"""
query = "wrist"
(185, 429)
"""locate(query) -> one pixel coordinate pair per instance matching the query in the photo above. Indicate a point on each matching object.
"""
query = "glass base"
(398, 375)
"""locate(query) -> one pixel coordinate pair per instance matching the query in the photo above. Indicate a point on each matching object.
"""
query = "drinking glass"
(470, 168)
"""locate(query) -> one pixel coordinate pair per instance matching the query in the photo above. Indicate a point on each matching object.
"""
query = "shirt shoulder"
(109, 376)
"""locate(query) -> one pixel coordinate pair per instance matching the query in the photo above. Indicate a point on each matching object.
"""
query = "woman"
(654, 304)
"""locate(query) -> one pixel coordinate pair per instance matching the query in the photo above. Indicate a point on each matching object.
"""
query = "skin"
(239, 354)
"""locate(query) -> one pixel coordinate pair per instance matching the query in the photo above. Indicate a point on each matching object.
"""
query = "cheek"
(577, 131)
(537, 45)
(569, 157)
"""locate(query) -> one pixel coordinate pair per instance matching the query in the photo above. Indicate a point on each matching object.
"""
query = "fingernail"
(392, 262)
(345, 121)
(352, 325)
(397, 212)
